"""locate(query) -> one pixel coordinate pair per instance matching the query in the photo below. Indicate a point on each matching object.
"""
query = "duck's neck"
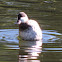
(23, 26)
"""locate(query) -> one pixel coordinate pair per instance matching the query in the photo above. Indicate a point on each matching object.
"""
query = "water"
(48, 14)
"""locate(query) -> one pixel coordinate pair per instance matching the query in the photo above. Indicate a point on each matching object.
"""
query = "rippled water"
(48, 14)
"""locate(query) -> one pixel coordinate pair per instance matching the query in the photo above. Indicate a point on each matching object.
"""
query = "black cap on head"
(21, 14)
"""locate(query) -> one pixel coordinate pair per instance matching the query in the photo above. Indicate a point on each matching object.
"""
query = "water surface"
(48, 13)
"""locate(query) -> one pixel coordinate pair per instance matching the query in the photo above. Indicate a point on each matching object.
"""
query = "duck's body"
(29, 29)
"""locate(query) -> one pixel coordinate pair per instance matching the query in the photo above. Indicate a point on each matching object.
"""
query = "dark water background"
(48, 13)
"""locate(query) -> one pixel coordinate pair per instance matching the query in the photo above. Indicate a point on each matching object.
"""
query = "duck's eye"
(19, 16)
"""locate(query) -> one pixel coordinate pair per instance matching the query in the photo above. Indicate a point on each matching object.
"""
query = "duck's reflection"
(29, 51)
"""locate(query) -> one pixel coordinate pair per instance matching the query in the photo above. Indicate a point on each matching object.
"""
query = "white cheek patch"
(19, 22)
(24, 19)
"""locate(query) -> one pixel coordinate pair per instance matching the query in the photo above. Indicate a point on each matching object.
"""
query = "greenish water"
(48, 13)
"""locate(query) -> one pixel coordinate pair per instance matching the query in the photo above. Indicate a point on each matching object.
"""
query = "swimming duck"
(28, 29)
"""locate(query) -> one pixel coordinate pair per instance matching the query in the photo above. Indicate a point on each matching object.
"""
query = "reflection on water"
(48, 49)
(29, 50)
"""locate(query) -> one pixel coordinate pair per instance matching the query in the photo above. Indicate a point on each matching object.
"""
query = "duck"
(29, 29)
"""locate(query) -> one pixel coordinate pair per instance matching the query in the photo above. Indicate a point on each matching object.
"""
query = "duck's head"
(22, 18)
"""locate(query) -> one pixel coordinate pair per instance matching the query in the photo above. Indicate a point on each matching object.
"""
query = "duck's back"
(31, 31)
